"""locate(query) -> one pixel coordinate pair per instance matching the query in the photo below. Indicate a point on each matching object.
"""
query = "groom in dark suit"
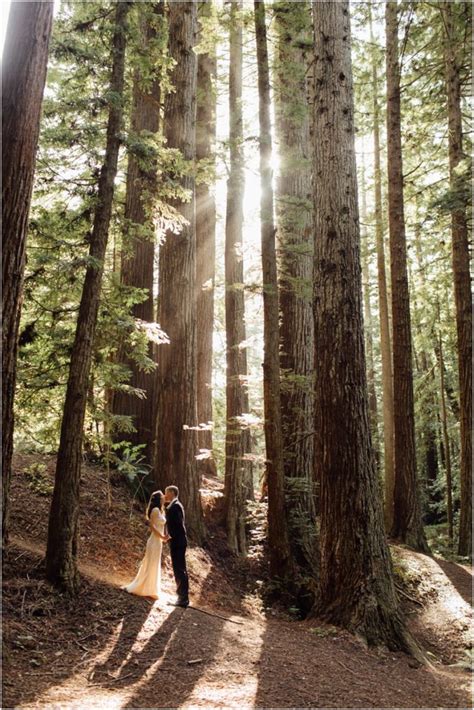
(178, 543)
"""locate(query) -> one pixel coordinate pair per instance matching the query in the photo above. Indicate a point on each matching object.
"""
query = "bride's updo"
(156, 501)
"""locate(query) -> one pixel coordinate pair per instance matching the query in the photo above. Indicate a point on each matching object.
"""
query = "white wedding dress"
(147, 583)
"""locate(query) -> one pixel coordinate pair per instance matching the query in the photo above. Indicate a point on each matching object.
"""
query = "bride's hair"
(156, 501)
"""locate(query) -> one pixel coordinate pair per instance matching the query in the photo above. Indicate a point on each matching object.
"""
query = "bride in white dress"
(147, 583)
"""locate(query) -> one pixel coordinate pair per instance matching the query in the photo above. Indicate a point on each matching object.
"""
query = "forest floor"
(108, 649)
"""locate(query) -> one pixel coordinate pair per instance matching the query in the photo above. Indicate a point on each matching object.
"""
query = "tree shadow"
(38, 622)
(227, 583)
(219, 593)
(132, 623)
(139, 663)
(174, 659)
(459, 577)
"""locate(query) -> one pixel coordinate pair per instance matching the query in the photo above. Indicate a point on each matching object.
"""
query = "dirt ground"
(108, 649)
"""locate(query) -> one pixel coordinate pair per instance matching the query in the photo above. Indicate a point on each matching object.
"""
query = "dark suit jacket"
(175, 523)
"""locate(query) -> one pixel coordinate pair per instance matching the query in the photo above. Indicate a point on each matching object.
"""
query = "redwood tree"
(385, 339)
(176, 399)
(205, 245)
(61, 552)
(356, 584)
(281, 561)
(25, 58)
(460, 261)
(238, 440)
(295, 245)
(138, 251)
(407, 523)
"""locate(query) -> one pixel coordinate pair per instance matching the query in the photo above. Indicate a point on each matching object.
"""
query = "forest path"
(112, 650)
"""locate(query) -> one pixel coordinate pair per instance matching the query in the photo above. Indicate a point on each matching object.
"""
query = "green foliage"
(438, 540)
(129, 462)
(37, 479)
(70, 156)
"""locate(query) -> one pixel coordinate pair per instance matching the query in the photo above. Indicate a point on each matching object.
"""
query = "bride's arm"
(154, 528)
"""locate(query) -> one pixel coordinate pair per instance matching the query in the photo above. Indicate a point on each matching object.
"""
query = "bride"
(147, 583)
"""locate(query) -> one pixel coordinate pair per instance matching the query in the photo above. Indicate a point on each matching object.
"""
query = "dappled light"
(237, 354)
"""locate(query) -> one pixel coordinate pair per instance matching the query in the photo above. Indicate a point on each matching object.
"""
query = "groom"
(178, 543)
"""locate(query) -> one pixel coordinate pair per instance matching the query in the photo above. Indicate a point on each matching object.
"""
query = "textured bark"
(295, 242)
(280, 556)
(357, 589)
(176, 433)
(238, 440)
(462, 282)
(407, 524)
(139, 252)
(385, 339)
(25, 58)
(206, 247)
(61, 553)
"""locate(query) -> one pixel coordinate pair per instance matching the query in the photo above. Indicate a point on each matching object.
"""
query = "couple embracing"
(165, 514)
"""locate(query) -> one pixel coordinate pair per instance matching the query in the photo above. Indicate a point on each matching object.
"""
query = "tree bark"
(385, 339)
(407, 524)
(281, 562)
(61, 553)
(138, 253)
(356, 585)
(205, 248)
(462, 282)
(176, 433)
(238, 440)
(25, 58)
(295, 242)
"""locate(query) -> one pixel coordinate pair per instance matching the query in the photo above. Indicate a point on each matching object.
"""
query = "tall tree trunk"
(447, 448)
(238, 440)
(206, 247)
(25, 58)
(369, 346)
(462, 282)
(280, 556)
(385, 340)
(356, 586)
(295, 234)
(430, 410)
(61, 552)
(138, 252)
(407, 524)
(176, 433)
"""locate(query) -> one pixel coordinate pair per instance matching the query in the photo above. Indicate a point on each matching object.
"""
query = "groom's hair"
(174, 490)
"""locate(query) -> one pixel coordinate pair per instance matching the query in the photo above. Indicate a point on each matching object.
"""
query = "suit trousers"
(178, 560)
